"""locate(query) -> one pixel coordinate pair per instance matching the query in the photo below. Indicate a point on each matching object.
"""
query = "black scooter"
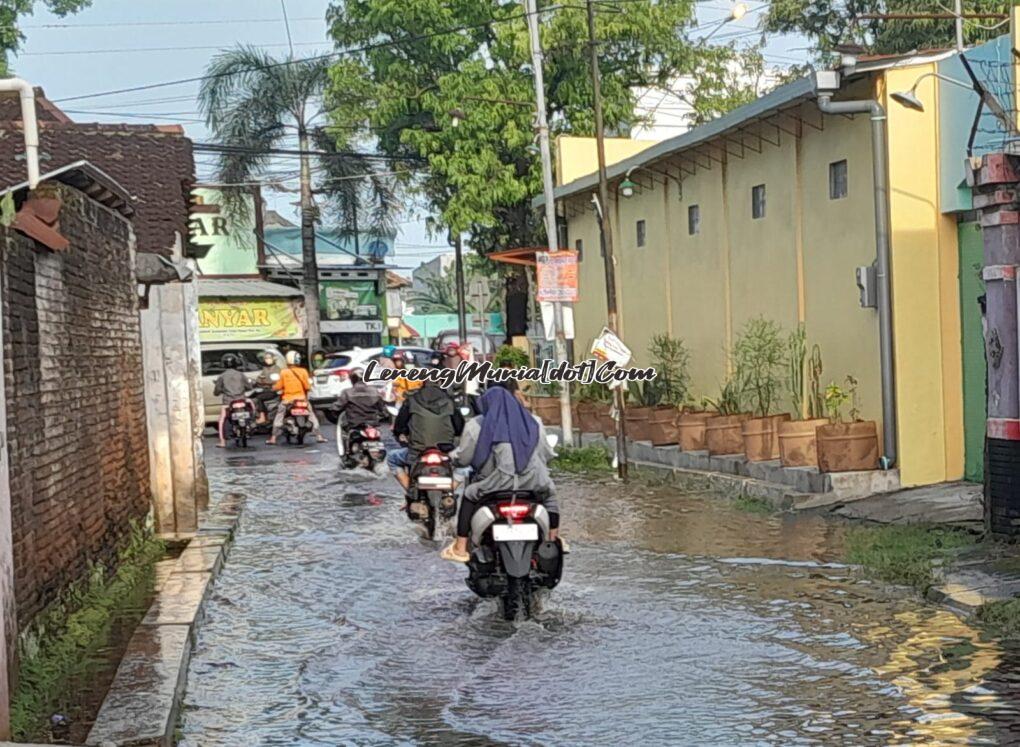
(431, 497)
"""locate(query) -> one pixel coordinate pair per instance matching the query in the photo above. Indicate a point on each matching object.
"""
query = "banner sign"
(557, 276)
(346, 299)
(609, 347)
(250, 319)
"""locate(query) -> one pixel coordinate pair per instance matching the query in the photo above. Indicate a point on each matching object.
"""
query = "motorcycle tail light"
(240, 405)
(340, 375)
(514, 511)
(371, 433)
(432, 458)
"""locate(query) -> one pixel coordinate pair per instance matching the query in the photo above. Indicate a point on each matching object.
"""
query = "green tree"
(439, 294)
(482, 172)
(829, 23)
(11, 11)
(255, 105)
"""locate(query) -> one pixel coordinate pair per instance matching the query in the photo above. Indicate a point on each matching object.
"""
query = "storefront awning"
(522, 255)
(244, 288)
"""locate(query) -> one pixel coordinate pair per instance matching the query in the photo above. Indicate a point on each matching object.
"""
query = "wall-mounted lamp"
(910, 99)
(457, 116)
(627, 186)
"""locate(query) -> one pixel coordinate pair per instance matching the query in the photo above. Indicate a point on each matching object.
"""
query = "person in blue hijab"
(507, 448)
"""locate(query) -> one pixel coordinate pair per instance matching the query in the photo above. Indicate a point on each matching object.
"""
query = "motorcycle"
(512, 553)
(362, 446)
(297, 424)
(431, 496)
(241, 421)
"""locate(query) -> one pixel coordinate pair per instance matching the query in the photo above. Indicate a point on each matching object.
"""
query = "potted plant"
(760, 352)
(642, 399)
(846, 446)
(592, 402)
(670, 358)
(797, 440)
(545, 403)
(723, 431)
(691, 424)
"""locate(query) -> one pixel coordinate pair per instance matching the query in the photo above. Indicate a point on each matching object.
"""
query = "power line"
(128, 50)
(240, 150)
(167, 23)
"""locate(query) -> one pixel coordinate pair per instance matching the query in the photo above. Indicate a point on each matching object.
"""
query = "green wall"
(974, 371)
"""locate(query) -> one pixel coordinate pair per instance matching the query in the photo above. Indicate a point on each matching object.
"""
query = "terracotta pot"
(691, 430)
(607, 422)
(547, 408)
(723, 434)
(761, 437)
(662, 429)
(847, 447)
(588, 417)
(797, 444)
(638, 421)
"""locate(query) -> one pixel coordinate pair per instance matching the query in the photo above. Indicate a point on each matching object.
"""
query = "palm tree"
(252, 103)
(439, 294)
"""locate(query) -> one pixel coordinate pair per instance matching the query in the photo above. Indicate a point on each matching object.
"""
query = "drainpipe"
(27, 94)
(880, 166)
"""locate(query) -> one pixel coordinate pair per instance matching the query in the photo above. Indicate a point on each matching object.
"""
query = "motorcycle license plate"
(515, 532)
(296, 411)
(435, 483)
(240, 416)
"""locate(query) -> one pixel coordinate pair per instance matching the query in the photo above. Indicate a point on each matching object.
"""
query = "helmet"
(464, 350)
(268, 357)
(230, 361)
(451, 349)
(389, 350)
(293, 358)
(398, 356)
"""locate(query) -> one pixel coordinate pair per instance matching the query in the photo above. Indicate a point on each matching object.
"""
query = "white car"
(212, 353)
(330, 380)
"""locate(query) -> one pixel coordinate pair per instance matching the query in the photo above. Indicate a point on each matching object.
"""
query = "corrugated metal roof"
(239, 287)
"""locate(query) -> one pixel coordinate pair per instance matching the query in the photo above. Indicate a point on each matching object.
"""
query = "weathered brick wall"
(76, 411)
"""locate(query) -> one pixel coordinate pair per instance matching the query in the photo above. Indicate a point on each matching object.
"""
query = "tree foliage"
(12, 10)
(412, 72)
(831, 22)
(439, 294)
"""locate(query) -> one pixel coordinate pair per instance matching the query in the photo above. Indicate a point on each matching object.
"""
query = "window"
(640, 233)
(561, 232)
(837, 180)
(579, 246)
(693, 220)
(758, 201)
(212, 360)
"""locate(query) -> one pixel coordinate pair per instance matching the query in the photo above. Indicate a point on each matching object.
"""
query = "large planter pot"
(761, 437)
(547, 408)
(690, 428)
(638, 421)
(723, 434)
(607, 422)
(588, 417)
(662, 428)
(797, 442)
(847, 447)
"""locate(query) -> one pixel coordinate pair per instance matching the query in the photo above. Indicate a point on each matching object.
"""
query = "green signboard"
(342, 300)
(233, 249)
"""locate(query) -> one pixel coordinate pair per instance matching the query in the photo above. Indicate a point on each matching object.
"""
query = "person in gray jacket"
(230, 385)
(507, 448)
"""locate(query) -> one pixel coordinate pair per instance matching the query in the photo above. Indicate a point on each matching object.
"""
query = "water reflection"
(679, 621)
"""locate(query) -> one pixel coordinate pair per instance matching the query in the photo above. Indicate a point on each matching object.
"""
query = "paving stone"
(141, 706)
(200, 559)
(179, 602)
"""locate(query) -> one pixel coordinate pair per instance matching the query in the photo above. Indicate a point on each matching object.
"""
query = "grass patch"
(1001, 618)
(62, 642)
(907, 554)
(583, 459)
(752, 505)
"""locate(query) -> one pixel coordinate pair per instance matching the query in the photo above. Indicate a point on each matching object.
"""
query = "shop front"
(353, 312)
(250, 311)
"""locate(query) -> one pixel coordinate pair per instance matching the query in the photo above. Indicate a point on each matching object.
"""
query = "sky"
(119, 44)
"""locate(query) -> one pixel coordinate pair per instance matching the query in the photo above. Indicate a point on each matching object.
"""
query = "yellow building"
(769, 210)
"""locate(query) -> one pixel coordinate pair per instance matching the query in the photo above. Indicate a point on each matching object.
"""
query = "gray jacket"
(231, 385)
(498, 473)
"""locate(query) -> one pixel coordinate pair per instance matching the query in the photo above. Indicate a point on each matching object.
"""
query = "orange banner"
(557, 276)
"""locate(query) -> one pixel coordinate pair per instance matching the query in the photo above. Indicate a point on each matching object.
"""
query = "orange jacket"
(293, 384)
(402, 387)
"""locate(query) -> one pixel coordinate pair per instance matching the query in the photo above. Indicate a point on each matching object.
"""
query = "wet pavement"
(680, 620)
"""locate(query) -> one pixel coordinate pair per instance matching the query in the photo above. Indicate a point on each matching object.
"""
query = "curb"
(143, 702)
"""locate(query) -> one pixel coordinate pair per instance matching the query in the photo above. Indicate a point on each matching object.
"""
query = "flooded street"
(680, 620)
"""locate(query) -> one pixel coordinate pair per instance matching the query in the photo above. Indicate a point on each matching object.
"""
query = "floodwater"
(680, 620)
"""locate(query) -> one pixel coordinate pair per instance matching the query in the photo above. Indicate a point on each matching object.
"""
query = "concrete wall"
(576, 156)
(797, 264)
(79, 471)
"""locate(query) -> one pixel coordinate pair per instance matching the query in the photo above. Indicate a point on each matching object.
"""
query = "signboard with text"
(557, 276)
(349, 299)
(235, 320)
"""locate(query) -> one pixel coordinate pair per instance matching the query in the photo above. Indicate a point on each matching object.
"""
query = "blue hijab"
(505, 421)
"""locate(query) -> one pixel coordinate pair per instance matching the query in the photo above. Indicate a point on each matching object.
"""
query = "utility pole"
(310, 279)
(458, 268)
(959, 25)
(606, 232)
(552, 238)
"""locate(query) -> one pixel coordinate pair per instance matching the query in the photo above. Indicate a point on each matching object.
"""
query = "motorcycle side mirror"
(552, 439)
(465, 411)
(446, 448)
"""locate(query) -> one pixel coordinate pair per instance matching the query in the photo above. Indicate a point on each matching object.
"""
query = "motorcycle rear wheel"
(517, 598)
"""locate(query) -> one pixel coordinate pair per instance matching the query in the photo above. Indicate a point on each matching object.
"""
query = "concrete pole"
(8, 610)
(552, 238)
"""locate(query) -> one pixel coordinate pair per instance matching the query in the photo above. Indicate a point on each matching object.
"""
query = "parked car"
(484, 345)
(212, 355)
(329, 381)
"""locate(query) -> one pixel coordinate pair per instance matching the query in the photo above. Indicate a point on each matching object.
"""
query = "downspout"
(26, 93)
(880, 166)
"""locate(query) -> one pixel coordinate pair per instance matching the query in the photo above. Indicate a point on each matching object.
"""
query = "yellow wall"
(929, 386)
(576, 156)
(798, 265)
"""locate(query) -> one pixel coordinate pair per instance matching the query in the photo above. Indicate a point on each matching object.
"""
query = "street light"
(627, 186)
(737, 11)
(457, 116)
(910, 99)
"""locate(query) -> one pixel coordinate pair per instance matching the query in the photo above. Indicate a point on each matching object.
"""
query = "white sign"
(549, 320)
(352, 325)
(609, 347)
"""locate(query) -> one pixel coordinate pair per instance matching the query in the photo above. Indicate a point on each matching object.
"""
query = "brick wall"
(76, 411)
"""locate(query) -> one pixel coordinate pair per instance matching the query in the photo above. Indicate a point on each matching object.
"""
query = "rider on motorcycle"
(428, 417)
(231, 385)
(506, 447)
(401, 386)
(293, 385)
(264, 381)
(361, 403)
